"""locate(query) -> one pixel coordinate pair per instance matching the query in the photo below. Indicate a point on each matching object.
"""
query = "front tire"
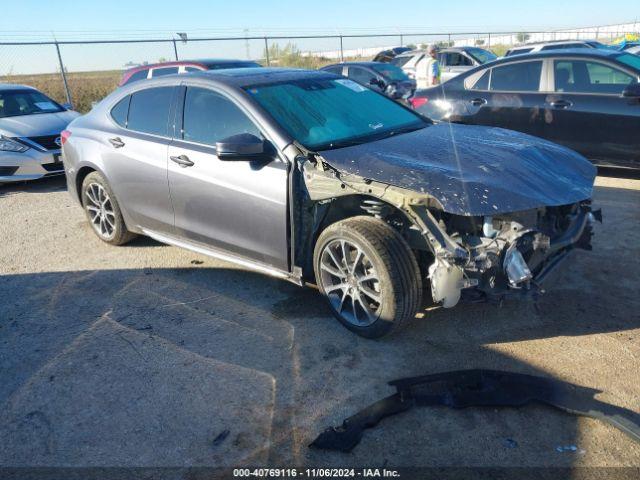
(368, 274)
(103, 211)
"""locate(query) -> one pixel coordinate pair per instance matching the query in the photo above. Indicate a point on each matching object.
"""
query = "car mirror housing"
(243, 146)
(67, 106)
(632, 90)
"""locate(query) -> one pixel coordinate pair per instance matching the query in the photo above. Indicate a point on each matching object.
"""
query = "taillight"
(64, 136)
(417, 102)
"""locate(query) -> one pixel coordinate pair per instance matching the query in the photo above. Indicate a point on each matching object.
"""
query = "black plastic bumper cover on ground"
(478, 388)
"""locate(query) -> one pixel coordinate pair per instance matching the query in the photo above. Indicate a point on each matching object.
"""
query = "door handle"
(182, 160)
(561, 104)
(116, 142)
(478, 101)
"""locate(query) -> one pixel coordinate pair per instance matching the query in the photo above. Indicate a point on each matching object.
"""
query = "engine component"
(446, 282)
(516, 267)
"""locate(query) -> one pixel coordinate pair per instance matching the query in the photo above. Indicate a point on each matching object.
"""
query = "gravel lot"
(143, 355)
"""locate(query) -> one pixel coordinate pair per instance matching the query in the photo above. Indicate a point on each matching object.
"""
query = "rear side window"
(149, 110)
(360, 75)
(337, 70)
(454, 59)
(209, 117)
(120, 111)
(518, 77)
(161, 72)
(581, 76)
(139, 75)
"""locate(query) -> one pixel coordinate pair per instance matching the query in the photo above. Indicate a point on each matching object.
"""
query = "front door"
(238, 207)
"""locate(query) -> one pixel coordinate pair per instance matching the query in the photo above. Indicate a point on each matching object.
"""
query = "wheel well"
(81, 175)
(341, 208)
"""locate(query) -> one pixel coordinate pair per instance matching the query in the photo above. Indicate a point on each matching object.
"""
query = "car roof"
(574, 52)
(15, 86)
(243, 77)
(361, 64)
(201, 61)
(551, 42)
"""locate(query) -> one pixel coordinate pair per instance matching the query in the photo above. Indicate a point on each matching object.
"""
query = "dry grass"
(86, 87)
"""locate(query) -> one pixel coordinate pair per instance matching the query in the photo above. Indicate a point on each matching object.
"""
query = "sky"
(27, 20)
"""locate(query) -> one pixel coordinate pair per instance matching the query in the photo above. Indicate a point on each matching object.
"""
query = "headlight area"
(508, 254)
(9, 145)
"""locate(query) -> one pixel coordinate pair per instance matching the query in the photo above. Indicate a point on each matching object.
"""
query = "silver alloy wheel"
(100, 210)
(350, 282)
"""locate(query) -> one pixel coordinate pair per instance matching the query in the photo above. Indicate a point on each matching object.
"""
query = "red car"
(144, 72)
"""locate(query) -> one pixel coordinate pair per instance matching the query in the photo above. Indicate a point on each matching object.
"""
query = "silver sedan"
(30, 126)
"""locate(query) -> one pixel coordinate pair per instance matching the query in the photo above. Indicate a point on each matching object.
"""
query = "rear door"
(509, 96)
(136, 156)
(588, 113)
(238, 207)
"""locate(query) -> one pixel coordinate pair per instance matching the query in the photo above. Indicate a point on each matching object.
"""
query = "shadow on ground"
(223, 367)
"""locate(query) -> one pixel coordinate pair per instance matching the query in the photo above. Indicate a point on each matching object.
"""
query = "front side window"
(455, 59)
(149, 110)
(518, 77)
(161, 72)
(120, 111)
(209, 117)
(325, 113)
(400, 61)
(15, 103)
(582, 76)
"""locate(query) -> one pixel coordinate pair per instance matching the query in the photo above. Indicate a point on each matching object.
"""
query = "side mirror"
(243, 146)
(632, 90)
(67, 106)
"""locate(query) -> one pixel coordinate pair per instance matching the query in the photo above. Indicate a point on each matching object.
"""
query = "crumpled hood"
(36, 125)
(473, 170)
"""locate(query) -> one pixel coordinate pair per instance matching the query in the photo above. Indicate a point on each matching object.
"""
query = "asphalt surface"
(148, 355)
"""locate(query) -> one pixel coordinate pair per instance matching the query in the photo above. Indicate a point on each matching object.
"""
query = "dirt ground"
(148, 355)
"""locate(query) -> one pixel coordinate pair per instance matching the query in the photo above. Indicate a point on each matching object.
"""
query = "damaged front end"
(507, 254)
(478, 257)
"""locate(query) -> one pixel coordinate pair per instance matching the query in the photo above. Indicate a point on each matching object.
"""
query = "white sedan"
(30, 126)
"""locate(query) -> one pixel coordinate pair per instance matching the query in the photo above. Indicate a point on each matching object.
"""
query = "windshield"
(390, 72)
(481, 55)
(14, 103)
(401, 60)
(330, 113)
(631, 60)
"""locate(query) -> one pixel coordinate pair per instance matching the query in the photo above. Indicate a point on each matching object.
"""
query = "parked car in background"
(585, 99)
(556, 45)
(381, 77)
(453, 61)
(155, 70)
(311, 177)
(30, 126)
(385, 56)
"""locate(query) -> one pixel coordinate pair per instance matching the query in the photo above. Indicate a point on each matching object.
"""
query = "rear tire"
(103, 211)
(368, 274)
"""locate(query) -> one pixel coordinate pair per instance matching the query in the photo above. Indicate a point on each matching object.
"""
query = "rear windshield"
(630, 60)
(481, 55)
(390, 72)
(332, 113)
(15, 103)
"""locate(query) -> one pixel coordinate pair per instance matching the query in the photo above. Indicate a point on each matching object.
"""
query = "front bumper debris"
(478, 388)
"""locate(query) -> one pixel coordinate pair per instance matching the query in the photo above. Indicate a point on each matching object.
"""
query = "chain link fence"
(81, 73)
